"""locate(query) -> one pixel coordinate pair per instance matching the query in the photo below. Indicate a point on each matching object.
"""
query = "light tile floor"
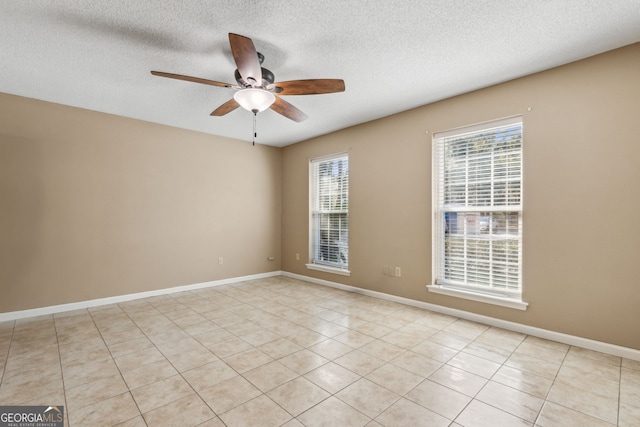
(280, 351)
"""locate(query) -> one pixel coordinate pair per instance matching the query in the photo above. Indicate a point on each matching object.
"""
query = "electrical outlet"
(398, 272)
(220, 261)
(297, 257)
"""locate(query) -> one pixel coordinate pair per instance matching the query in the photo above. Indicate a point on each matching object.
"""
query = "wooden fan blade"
(309, 87)
(246, 57)
(281, 106)
(191, 79)
(225, 108)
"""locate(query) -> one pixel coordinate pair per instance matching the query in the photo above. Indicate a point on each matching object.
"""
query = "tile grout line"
(91, 314)
(165, 357)
(266, 310)
(619, 394)
(6, 359)
(64, 389)
(490, 379)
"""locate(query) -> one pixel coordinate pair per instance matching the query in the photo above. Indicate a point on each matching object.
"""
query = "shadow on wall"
(21, 210)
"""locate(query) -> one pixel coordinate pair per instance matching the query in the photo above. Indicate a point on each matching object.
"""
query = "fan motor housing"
(267, 78)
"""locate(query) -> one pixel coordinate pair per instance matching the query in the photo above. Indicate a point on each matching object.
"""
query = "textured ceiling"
(392, 55)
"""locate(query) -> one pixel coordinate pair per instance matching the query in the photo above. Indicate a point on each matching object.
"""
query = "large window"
(478, 210)
(329, 213)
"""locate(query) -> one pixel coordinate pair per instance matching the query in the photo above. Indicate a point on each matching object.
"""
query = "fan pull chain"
(255, 134)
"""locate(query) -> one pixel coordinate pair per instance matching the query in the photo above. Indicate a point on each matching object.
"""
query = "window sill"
(473, 296)
(328, 269)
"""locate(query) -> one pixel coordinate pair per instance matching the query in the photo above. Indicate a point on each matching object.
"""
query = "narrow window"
(329, 214)
(478, 209)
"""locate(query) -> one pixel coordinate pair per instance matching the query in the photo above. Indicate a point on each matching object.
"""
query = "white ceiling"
(392, 55)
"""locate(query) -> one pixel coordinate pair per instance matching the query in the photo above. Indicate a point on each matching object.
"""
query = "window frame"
(484, 290)
(316, 214)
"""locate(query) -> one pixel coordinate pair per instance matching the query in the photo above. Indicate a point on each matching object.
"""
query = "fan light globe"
(254, 100)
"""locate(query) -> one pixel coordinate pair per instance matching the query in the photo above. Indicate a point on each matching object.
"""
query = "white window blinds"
(478, 208)
(329, 206)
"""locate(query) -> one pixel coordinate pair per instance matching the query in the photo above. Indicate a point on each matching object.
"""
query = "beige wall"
(581, 199)
(93, 205)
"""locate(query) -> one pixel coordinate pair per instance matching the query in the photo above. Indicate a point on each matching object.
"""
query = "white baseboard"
(22, 314)
(589, 344)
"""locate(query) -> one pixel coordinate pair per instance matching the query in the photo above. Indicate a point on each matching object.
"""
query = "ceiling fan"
(255, 88)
